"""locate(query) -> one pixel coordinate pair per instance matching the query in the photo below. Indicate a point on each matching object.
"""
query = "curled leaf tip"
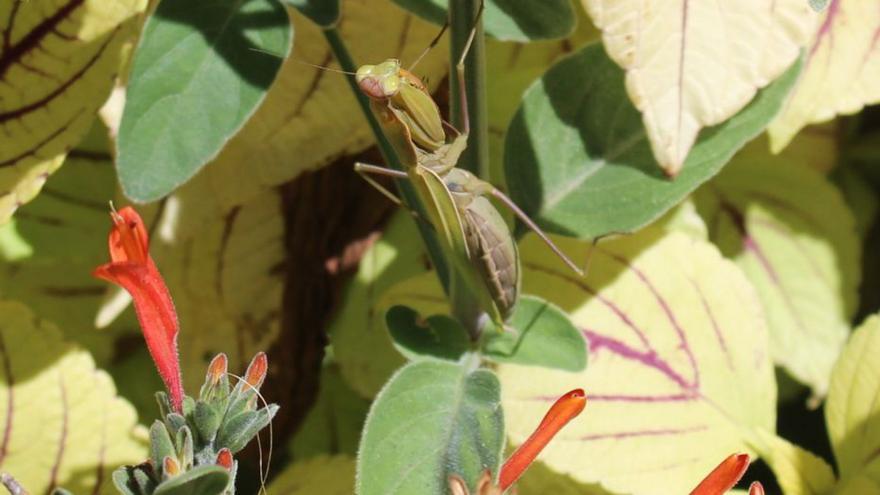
(724, 476)
(561, 412)
(224, 458)
(756, 488)
(132, 268)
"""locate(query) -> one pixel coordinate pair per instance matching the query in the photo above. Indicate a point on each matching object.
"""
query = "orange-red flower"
(725, 476)
(561, 412)
(132, 268)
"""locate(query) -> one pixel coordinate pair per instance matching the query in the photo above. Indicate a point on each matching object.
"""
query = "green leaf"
(679, 371)
(201, 480)
(818, 5)
(236, 433)
(323, 475)
(508, 20)
(792, 233)
(431, 420)
(60, 416)
(199, 72)
(161, 445)
(543, 336)
(324, 13)
(134, 480)
(438, 336)
(577, 159)
(852, 411)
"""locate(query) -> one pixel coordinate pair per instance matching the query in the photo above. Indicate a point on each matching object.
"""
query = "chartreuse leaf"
(223, 271)
(327, 475)
(577, 159)
(509, 20)
(841, 70)
(48, 251)
(816, 147)
(679, 373)
(797, 471)
(324, 13)
(432, 419)
(310, 113)
(852, 411)
(361, 344)
(693, 65)
(62, 421)
(794, 236)
(541, 334)
(437, 336)
(57, 65)
(198, 74)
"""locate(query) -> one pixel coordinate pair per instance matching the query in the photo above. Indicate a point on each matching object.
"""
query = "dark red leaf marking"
(649, 358)
(13, 53)
(62, 443)
(10, 383)
(644, 433)
(719, 336)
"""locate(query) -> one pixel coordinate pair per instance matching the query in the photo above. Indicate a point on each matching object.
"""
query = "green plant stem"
(407, 193)
(462, 14)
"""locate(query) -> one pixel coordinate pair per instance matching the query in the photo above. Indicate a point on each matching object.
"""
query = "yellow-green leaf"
(57, 63)
(691, 65)
(61, 421)
(327, 475)
(51, 246)
(798, 471)
(840, 73)
(679, 366)
(794, 236)
(853, 411)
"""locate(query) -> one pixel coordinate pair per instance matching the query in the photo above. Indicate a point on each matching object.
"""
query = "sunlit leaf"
(57, 63)
(61, 237)
(510, 20)
(840, 73)
(679, 368)
(816, 147)
(327, 475)
(63, 423)
(310, 116)
(691, 65)
(360, 340)
(198, 74)
(578, 161)
(432, 419)
(852, 411)
(794, 236)
(437, 336)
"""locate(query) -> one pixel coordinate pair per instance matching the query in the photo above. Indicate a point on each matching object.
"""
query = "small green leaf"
(509, 20)
(577, 159)
(432, 419)
(324, 13)
(161, 445)
(200, 70)
(203, 480)
(438, 336)
(206, 419)
(544, 337)
(237, 432)
(134, 480)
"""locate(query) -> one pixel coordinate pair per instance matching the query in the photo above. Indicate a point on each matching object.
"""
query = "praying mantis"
(474, 236)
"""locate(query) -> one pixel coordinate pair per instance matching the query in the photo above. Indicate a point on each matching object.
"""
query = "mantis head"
(381, 81)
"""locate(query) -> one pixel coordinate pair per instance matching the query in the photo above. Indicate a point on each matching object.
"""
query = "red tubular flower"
(725, 476)
(132, 269)
(561, 412)
(756, 488)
